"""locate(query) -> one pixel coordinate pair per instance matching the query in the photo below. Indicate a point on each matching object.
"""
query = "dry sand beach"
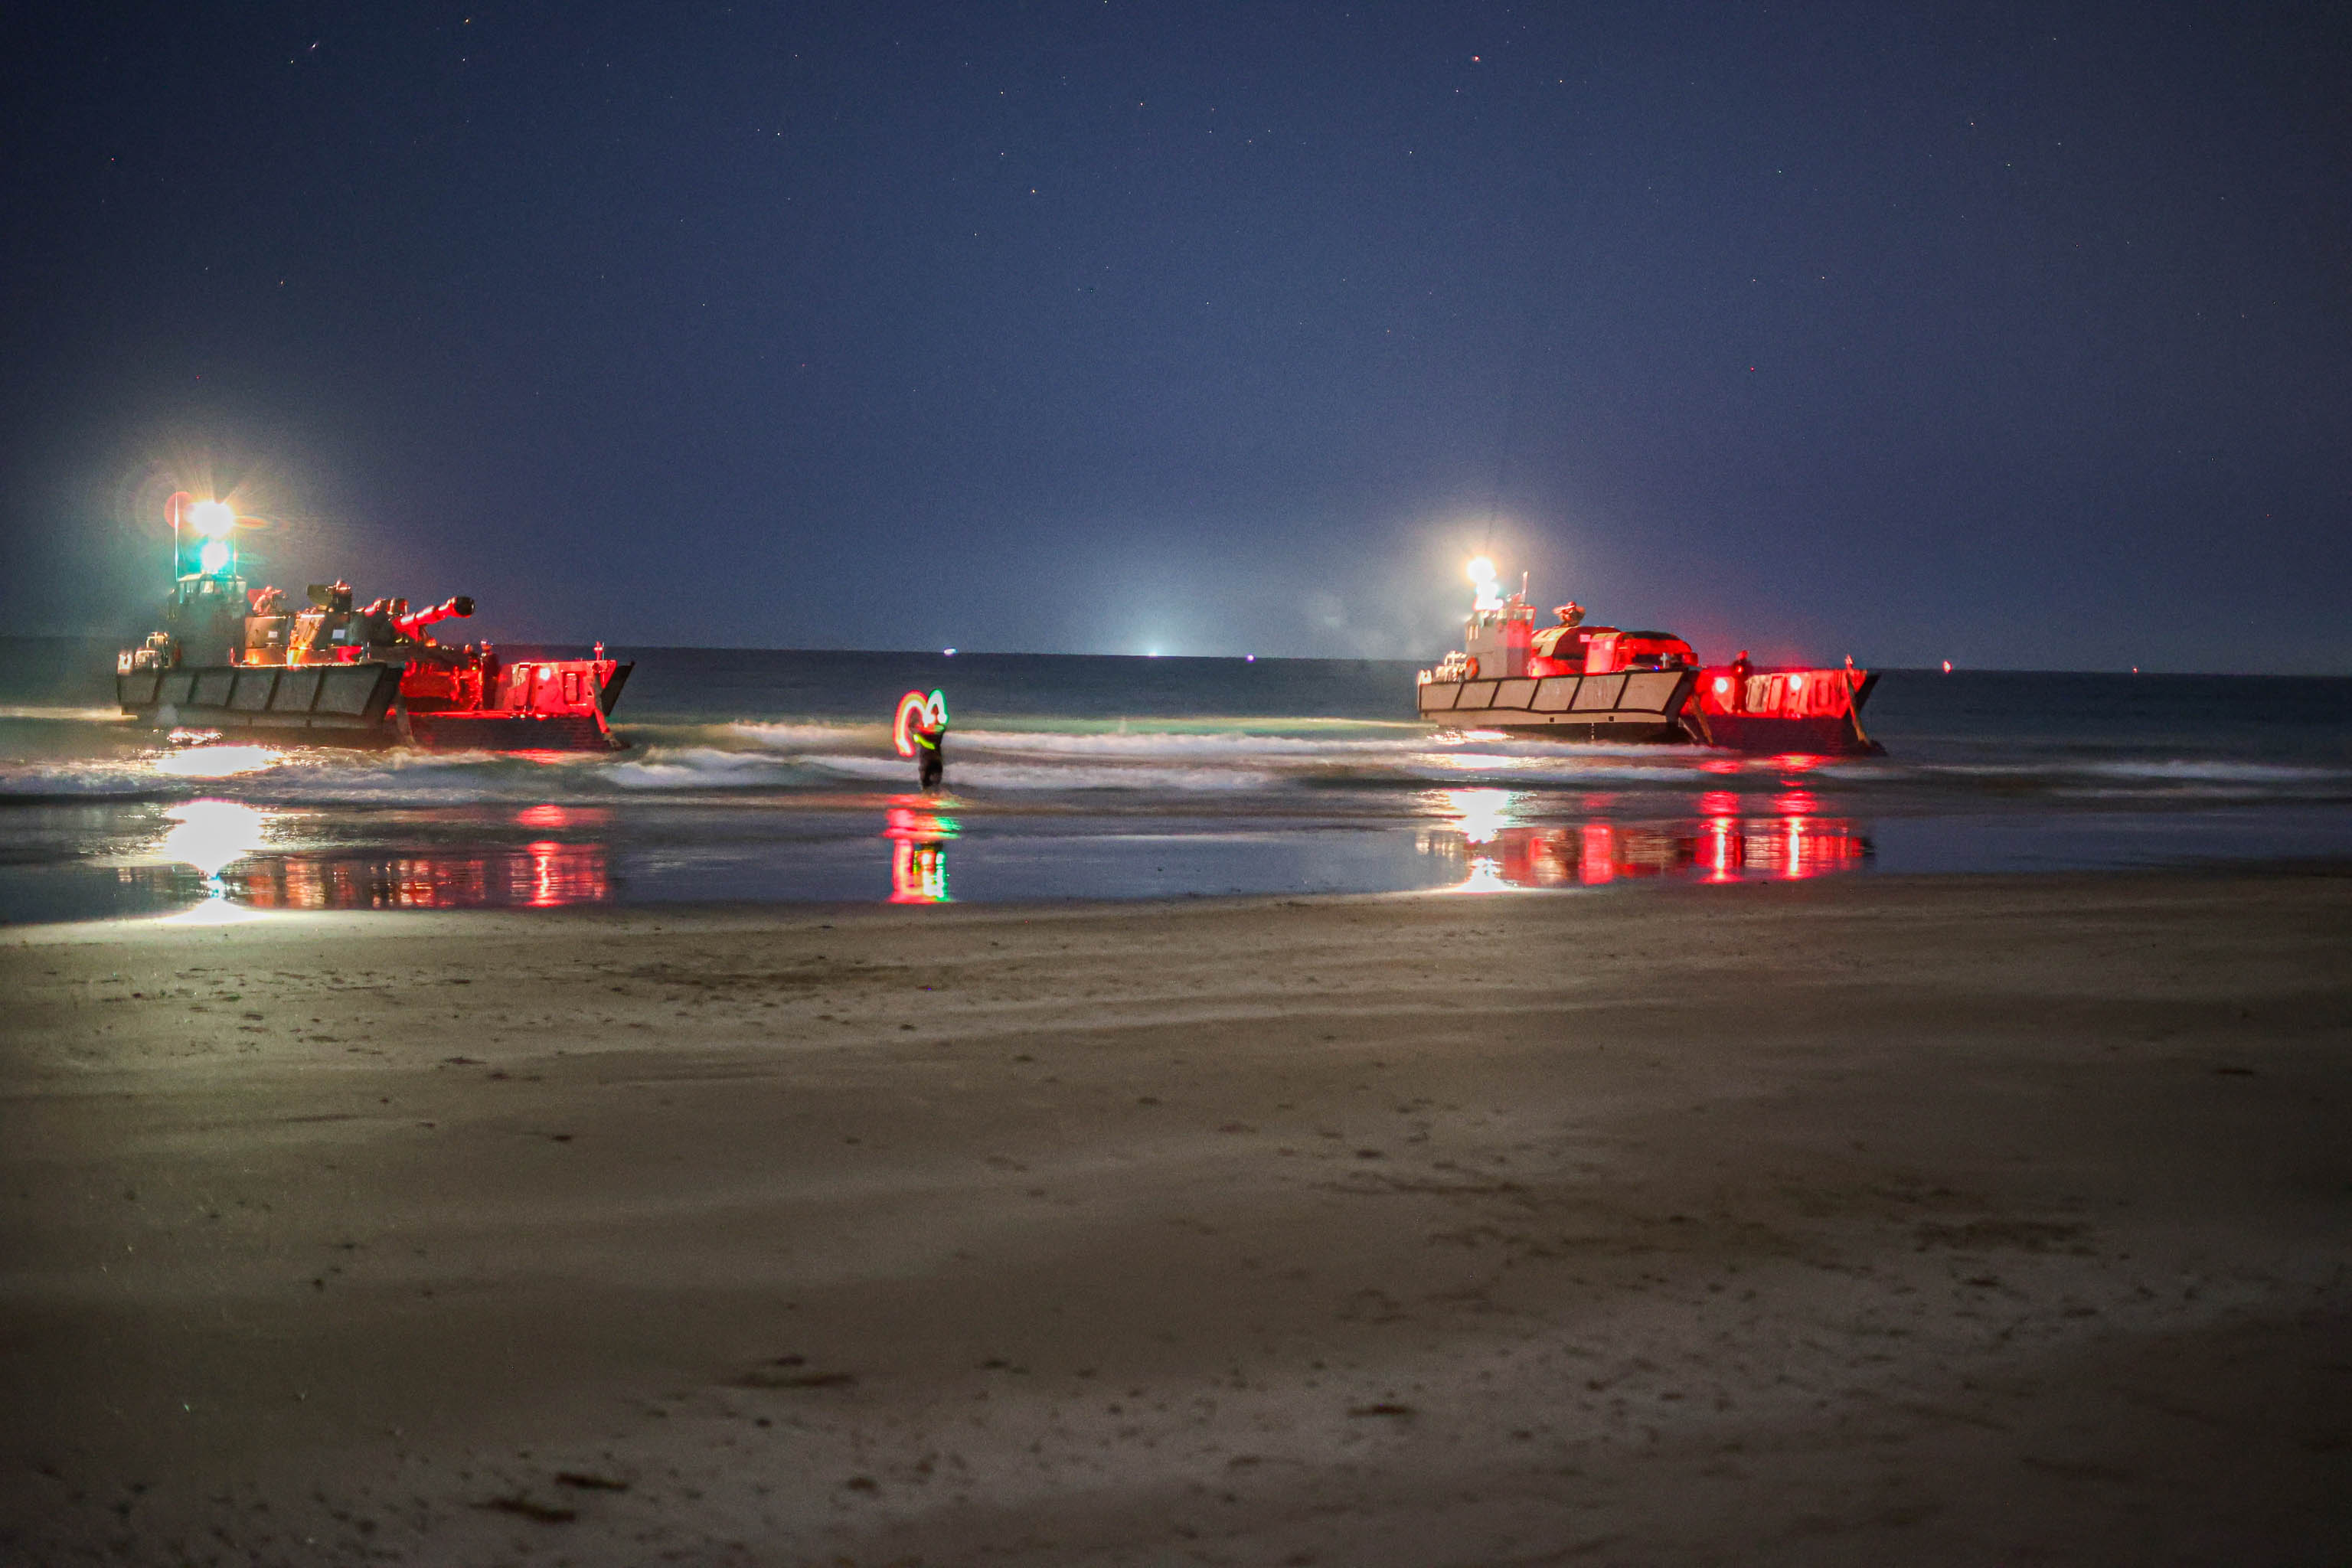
(1973, 1220)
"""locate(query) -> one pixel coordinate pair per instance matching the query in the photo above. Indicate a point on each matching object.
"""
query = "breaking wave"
(54, 713)
(82, 780)
(1325, 761)
(983, 776)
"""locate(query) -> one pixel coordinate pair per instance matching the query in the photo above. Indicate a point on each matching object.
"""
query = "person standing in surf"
(930, 756)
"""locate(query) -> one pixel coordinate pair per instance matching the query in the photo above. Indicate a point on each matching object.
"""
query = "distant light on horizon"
(1120, 409)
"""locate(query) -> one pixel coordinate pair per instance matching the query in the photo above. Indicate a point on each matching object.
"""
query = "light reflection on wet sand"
(918, 857)
(1726, 843)
(1712, 849)
(1474, 840)
(546, 874)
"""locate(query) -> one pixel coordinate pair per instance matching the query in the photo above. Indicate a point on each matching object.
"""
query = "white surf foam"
(1013, 775)
(64, 714)
(2214, 771)
(94, 780)
(780, 737)
(1176, 745)
(700, 767)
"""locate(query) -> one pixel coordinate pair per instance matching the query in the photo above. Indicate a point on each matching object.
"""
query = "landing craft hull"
(318, 705)
(511, 732)
(357, 704)
(1577, 682)
(1817, 737)
(1648, 707)
(1636, 706)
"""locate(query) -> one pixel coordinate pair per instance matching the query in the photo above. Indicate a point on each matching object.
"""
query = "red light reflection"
(919, 855)
(915, 824)
(545, 875)
(557, 816)
(918, 873)
(1719, 849)
(1597, 857)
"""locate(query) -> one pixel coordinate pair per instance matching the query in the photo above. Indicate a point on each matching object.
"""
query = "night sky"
(2020, 336)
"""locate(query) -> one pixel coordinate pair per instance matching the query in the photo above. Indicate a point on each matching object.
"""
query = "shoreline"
(1867, 1218)
(731, 914)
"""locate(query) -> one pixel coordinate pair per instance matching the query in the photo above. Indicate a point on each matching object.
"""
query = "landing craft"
(1571, 682)
(235, 660)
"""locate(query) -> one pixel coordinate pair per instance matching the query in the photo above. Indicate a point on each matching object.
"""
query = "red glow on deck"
(1779, 693)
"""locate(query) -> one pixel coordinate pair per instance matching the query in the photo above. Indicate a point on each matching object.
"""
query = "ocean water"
(765, 776)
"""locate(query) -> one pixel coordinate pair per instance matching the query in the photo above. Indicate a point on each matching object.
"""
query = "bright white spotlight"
(1490, 592)
(213, 518)
(211, 834)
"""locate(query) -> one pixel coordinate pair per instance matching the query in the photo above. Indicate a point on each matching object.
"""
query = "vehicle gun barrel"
(410, 625)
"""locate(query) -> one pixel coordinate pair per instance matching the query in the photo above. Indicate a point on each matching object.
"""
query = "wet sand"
(1860, 1221)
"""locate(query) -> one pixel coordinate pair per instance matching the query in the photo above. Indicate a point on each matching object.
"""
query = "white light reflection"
(1480, 816)
(216, 761)
(1480, 813)
(212, 835)
(216, 910)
